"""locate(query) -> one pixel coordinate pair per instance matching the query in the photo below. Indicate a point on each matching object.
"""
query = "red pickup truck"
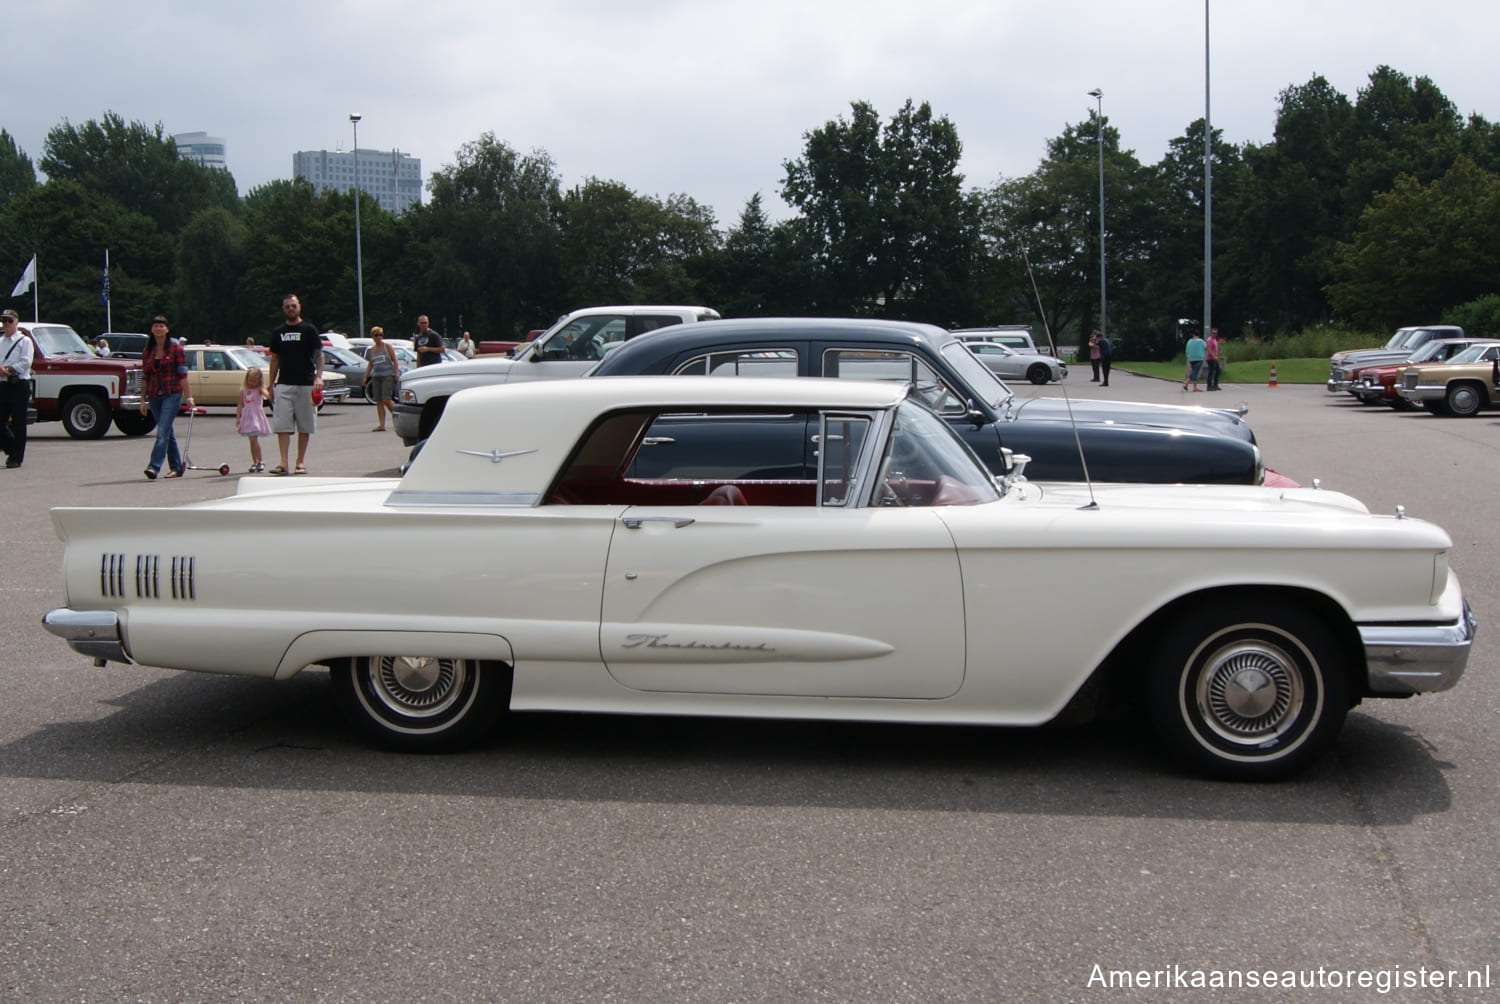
(503, 348)
(83, 390)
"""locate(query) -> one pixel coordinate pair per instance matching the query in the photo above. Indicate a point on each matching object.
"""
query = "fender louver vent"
(117, 576)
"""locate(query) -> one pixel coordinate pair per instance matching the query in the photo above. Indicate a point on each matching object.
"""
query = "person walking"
(1105, 349)
(16, 353)
(1195, 352)
(380, 376)
(250, 414)
(1094, 356)
(428, 343)
(164, 368)
(1212, 347)
(296, 371)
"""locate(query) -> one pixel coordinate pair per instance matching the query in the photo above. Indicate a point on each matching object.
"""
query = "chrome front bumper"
(94, 633)
(1418, 659)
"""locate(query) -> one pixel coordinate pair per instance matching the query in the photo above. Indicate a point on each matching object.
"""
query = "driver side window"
(868, 364)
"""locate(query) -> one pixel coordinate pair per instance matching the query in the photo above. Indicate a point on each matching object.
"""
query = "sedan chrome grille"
(181, 577)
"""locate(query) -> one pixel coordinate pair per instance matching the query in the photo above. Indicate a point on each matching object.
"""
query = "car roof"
(512, 438)
(707, 335)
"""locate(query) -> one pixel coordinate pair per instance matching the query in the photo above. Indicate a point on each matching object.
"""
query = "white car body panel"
(944, 614)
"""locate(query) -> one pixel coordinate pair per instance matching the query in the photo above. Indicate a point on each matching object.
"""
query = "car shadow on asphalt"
(194, 729)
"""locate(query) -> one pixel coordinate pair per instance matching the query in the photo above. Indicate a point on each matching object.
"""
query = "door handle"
(657, 440)
(634, 522)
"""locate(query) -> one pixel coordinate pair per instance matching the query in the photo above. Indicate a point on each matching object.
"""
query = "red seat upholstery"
(725, 495)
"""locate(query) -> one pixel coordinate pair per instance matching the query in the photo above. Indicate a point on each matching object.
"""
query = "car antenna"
(1067, 399)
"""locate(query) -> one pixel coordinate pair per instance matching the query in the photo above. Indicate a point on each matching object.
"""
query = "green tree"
(620, 247)
(210, 263)
(302, 241)
(17, 176)
(1050, 218)
(137, 166)
(1421, 248)
(1401, 126)
(893, 233)
(69, 228)
(488, 245)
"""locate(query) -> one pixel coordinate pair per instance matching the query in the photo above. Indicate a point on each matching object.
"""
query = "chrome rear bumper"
(94, 633)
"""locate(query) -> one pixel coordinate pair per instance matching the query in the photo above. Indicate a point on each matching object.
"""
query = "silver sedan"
(1007, 363)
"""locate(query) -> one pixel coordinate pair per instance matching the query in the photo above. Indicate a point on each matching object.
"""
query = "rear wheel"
(85, 415)
(1039, 374)
(1465, 399)
(421, 703)
(133, 423)
(1253, 692)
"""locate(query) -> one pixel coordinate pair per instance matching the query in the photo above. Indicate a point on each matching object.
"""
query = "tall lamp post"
(359, 259)
(1098, 96)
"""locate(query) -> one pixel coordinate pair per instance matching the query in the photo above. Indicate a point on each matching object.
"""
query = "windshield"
(59, 340)
(1429, 351)
(246, 358)
(1472, 354)
(927, 463)
(1402, 337)
(982, 381)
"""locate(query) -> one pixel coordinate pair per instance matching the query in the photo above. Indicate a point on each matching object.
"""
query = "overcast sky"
(706, 97)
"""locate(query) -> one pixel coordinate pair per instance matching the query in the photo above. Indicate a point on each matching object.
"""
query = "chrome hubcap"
(1249, 692)
(417, 685)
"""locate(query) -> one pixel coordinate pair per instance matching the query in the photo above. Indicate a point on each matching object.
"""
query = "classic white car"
(778, 548)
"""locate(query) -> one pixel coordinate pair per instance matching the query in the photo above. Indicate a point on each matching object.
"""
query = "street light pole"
(1098, 96)
(359, 259)
(1208, 192)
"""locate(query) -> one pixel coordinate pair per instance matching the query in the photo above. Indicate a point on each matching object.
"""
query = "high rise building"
(393, 178)
(200, 146)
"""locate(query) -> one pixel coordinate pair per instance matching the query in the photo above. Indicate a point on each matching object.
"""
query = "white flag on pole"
(28, 278)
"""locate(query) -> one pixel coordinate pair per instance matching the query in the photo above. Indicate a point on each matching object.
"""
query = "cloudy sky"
(706, 97)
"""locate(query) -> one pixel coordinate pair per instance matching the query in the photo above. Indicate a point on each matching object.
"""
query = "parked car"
(1463, 386)
(1341, 365)
(81, 389)
(125, 344)
(217, 372)
(1009, 363)
(1012, 336)
(1120, 441)
(347, 363)
(869, 569)
(1380, 384)
(568, 349)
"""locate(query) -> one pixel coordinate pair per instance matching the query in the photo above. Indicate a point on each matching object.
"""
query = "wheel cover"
(1249, 693)
(1248, 686)
(1463, 400)
(417, 686)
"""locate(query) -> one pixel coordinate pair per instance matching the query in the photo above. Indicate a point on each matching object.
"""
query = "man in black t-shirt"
(296, 371)
(428, 343)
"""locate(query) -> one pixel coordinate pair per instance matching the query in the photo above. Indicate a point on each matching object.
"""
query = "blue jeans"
(164, 410)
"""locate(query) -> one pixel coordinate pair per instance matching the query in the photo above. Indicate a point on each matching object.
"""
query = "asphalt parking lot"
(172, 836)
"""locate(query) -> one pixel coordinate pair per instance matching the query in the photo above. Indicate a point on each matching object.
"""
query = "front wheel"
(421, 703)
(1039, 374)
(1249, 694)
(86, 415)
(1465, 400)
(133, 423)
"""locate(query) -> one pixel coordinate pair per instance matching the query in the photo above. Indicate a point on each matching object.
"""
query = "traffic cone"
(1272, 382)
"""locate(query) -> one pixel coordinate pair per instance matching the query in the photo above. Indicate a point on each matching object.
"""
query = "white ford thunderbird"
(778, 548)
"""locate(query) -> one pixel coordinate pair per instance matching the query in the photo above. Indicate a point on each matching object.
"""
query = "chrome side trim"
(1418, 659)
(94, 633)
(424, 499)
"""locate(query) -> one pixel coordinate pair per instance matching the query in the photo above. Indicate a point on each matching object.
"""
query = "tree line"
(1367, 213)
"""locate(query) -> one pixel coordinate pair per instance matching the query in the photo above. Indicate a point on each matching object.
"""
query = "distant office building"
(393, 178)
(200, 146)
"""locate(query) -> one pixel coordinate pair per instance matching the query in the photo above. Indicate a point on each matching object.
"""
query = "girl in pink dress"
(250, 414)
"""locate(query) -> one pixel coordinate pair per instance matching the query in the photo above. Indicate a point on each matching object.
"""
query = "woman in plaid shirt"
(165, 368)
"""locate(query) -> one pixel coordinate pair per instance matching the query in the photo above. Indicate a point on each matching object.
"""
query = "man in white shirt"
(15, 387)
